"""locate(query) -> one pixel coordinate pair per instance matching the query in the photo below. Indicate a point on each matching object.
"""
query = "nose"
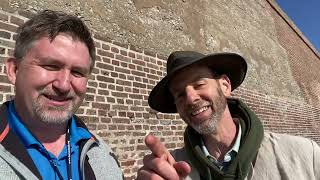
(191, 95)
(62, 82)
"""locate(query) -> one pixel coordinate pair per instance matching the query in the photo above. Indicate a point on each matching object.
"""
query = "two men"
(41, 138)
(224, 138)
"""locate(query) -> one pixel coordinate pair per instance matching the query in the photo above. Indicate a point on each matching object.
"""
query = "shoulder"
(103, 160)
(101, 142)
(283, 155)
(287, 140)
(293, 147)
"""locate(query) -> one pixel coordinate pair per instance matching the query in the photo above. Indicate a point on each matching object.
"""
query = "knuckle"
(159, 163)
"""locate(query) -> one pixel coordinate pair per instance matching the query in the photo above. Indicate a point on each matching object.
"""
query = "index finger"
(158, 149)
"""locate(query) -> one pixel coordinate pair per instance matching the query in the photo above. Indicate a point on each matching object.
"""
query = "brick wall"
(303, 58)
(116, 106)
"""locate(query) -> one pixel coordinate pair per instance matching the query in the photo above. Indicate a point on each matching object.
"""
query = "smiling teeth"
(199, 111)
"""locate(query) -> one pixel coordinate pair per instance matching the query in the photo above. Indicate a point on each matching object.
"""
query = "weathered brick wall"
(303, 59)
(116, 106)
(283, 115)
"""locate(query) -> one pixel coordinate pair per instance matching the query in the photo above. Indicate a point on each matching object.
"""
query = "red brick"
(119, 94)
(137, 73)
(123, 64)
(16, 20)
(105, 53)
(97, 44)
(122, 58)
(123, 52)
(128, 163)
(104, 66)
(7, 43)
(140, 85)
(106, 60)
(114, 49)
(120, 120)
(5, 88)
(105, 79)
(8, 27)
(2, 50)
(122, 70)
(124, 83)
(100, 106)
(5, 34)
(119, 88)
(111, 86)
(131, 54)
(139, 62)
(89, 97)
(105, 47)
(4, 17)
(112, 127)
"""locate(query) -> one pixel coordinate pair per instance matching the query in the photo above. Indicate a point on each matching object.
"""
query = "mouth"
(57, 100)
(198, 111)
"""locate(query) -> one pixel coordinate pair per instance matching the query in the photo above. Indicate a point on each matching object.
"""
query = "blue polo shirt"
(41, 157)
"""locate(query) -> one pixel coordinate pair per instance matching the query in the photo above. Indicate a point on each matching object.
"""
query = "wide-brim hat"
(231, 64)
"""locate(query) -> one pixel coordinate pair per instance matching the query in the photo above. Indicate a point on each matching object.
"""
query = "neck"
(51, 135)
(221, 141)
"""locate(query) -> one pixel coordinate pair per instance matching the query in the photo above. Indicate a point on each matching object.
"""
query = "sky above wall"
(306, 16)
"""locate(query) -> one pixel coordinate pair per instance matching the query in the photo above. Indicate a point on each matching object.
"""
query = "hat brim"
(230, 64)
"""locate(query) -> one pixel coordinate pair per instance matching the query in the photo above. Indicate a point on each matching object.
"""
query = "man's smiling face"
(199, 98)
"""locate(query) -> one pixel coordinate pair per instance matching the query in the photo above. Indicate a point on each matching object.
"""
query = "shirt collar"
(19, 128)
(228, 156)
(76, 133)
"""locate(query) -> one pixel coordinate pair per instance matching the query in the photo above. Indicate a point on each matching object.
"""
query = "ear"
(12, 69)
(225, 85)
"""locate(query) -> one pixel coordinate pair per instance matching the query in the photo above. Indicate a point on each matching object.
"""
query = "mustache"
(54, 93)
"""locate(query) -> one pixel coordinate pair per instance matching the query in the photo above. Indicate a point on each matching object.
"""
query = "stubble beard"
(54, 115)
(210, 126)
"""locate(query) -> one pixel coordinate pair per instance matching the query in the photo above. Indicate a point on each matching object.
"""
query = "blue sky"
(306, 16)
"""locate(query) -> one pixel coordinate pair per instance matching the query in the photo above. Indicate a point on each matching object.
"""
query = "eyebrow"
(58, 62)
(193, 80)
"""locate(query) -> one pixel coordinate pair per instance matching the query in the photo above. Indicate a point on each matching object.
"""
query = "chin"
(205, 128)
(55, 117)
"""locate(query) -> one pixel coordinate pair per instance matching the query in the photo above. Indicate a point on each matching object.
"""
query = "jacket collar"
(17, 148)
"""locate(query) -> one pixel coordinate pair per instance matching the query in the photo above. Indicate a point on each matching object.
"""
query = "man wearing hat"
(224, 139)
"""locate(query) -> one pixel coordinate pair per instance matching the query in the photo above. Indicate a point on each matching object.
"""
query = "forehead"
(192, 71)
(63, 48)
(190, 74)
